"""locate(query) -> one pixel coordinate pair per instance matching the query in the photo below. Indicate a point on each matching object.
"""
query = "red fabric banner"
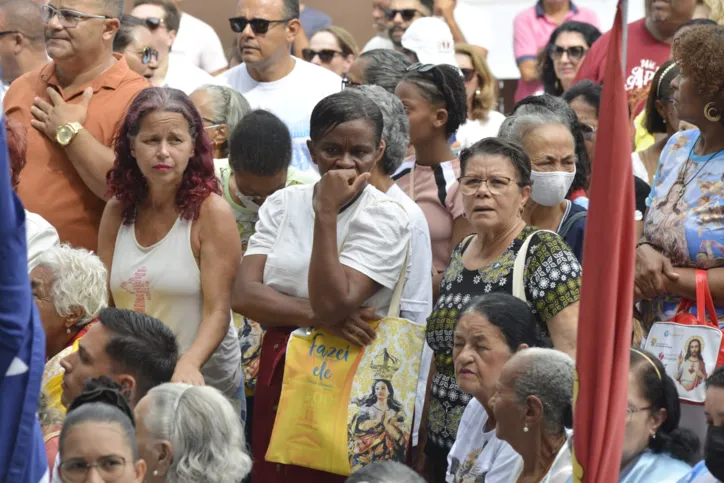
(604, 327)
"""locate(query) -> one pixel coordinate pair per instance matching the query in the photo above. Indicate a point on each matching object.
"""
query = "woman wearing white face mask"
(547, 139)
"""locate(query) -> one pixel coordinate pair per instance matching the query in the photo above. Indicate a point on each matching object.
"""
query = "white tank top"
(164, 281)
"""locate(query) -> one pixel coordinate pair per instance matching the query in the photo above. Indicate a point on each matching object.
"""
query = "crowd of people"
(170, 217)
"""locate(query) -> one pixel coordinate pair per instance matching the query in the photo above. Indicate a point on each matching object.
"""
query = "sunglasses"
(574, 53)
(348, 84)
(258, 25)
(325, 55)
(589, 132)
(148, 54)
(420, 67)
(154, 22)
(407, 14)
(468, 74)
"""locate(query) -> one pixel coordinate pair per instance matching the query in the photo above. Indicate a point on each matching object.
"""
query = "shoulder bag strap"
(519, 267)
(570, 221)
(704, 300)
(394, 310)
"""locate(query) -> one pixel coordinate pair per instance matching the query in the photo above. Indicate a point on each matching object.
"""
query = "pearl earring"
(155, 472)
(477, 92)
(525, 428)
(67, 331)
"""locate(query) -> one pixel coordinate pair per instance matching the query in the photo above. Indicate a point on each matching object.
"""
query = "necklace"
(682, 177)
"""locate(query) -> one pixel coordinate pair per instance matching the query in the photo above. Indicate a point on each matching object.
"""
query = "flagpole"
(624, 35)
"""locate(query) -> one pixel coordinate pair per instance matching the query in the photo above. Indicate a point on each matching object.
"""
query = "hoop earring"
(712, 113)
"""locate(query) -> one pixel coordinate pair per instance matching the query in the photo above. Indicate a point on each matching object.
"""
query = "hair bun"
(103, 390)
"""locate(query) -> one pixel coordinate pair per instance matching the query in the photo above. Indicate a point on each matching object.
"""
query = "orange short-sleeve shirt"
(49, 184)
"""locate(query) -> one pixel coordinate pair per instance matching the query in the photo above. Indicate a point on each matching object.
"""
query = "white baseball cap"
(431, 40)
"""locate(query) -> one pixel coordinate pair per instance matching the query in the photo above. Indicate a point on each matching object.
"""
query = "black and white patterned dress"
(552, 280)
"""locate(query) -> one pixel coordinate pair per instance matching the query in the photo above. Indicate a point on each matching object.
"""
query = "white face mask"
(247, 201)
(550, 188)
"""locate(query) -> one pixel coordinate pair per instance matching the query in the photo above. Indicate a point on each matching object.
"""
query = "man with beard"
(400, 16)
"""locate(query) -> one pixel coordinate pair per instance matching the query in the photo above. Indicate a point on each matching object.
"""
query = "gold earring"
(712, 113)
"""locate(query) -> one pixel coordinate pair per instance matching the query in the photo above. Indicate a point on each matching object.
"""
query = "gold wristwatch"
(65, 133)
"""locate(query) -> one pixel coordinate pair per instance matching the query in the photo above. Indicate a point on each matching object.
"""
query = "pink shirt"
(532, 30)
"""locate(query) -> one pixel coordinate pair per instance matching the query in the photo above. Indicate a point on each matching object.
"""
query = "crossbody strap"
(570, 221)
(519, 267)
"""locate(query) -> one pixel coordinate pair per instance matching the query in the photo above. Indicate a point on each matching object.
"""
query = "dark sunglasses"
(148, 54)
(325, 55)
(346, 83)
(258, 25)
(589, 132)
(154, 22)
(407, 14)
(420, 67)
(574, 53)
(468, 74)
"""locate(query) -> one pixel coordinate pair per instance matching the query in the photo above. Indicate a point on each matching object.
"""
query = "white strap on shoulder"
(519, 267)
(394, 311)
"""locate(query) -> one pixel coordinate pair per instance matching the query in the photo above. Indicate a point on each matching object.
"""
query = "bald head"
(23, 16)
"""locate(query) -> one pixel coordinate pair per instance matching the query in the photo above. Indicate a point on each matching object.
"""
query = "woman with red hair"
(40, 234)
(169, 240)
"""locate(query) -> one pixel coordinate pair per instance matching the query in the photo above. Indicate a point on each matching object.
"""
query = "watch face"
(65, 134)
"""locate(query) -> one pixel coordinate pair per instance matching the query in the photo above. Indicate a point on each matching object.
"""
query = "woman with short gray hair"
(380, 67)
(70, 287)
(533, 409)
(221, 109)
(547, 138)
(190, 434)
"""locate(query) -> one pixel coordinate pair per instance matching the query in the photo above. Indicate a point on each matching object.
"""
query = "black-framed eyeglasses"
(154, 22)
(325, 55)
(574, 53)
(66, 17)
(589, 132)
(8, 32)
(258, 25)
(631, 411)
(407, 14)
(109, 467)
(420, 67)
(147, 55)
(468, 74)
(346, 83)
(497, 185)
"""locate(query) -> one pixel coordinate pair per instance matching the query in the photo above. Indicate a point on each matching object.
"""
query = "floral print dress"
(685, 219)
(552, 280)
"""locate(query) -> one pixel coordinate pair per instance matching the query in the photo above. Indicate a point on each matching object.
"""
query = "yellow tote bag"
(343, 407)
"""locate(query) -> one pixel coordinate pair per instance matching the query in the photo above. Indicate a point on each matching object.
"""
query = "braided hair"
(442, 85)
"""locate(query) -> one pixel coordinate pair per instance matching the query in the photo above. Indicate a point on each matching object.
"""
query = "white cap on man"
(431, 40)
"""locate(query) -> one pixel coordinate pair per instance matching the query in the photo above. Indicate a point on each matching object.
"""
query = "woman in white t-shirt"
(481, 91)
(325, 255)
(492, 329)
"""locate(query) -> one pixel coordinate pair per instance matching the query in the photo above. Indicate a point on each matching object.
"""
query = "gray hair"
(79, 280)
(396, 130)
(384, 68)
(385, 472)
(517, 127)
(228, 105)
(548, 375)
(24, 16)
(205, 432)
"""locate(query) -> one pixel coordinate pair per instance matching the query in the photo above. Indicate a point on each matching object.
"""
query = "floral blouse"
(552, 280)
(685, 219)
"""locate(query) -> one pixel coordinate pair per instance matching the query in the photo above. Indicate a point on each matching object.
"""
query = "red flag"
(604, 327)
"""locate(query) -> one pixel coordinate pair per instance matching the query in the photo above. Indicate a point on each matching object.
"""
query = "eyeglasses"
(211, 124)
(468, 74)
(147, 55)
(589, 132)
(346, 83)
(497, 185)
(258, 25)
(407, 14)
(110, 469)
(325, 55)
(66, 18)
(8, 32)
(154, 22)
(574, 53)
(631, 411)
